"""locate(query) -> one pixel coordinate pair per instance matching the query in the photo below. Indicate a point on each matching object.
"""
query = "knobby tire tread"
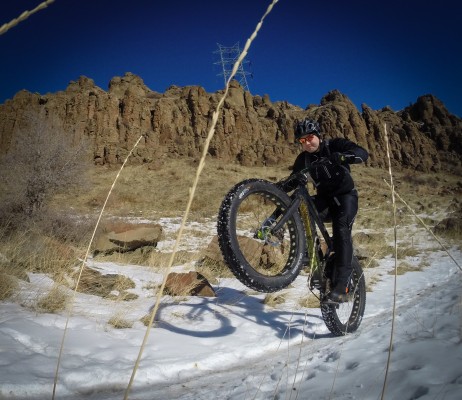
(329, 311)
(227, 241)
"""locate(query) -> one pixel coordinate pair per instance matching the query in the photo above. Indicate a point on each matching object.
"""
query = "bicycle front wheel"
(346, 317)
(262, 259)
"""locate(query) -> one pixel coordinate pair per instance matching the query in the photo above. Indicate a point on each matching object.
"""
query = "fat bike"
(267, 237)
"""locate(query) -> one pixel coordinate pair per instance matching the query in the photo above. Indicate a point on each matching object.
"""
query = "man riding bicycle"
(336, 196)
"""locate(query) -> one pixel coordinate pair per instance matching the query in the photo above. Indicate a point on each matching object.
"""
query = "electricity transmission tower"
(228, 57)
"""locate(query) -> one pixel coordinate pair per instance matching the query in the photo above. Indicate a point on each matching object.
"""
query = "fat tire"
(230, 247)
(356, 306)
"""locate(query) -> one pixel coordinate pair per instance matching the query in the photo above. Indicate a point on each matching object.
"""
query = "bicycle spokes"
(261, 243)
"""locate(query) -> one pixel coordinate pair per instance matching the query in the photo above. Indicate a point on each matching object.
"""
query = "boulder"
(128, 238)
(188, 284)
(212, 252)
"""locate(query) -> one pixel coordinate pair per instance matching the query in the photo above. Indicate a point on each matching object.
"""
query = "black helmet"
(307, 127)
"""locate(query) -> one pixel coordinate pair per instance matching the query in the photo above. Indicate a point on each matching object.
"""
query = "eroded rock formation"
(251, 130)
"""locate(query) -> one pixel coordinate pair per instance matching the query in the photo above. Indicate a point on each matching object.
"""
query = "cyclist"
(336, 197)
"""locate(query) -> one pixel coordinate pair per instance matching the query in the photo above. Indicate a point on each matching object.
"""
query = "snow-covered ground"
(235, 347)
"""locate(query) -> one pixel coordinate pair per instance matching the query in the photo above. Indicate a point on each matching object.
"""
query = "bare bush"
(39, 163)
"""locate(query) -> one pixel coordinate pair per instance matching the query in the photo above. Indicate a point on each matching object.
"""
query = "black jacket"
(331, 179)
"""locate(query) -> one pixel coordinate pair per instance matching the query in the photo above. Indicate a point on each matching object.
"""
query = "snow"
(235, 347)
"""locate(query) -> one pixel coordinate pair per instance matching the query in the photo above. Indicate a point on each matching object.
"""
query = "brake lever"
(307, 176)
(304, 175)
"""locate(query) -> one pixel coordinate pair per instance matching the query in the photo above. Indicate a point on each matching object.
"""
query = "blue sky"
(375, 53)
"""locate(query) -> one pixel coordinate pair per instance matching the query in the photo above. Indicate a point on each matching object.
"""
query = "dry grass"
(309, 301)
(110, 286)
(425, 193)
(149, 256)
(141, 191)
(145, 319)
(450, 227)
(371, 247)
(119, 322)
(273, 299)
(371, 281)
(164, 191)
(159, 260)
(33, 251)
(8, 286)
(407, 251)
(138, 257)
(213, 270)
(54, 301)
(404, 267)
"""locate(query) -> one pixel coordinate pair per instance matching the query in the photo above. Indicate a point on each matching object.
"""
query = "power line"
(227, 58)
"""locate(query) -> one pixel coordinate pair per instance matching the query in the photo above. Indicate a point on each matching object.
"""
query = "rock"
(188, 284)
(111, 286)
(257, 252)
(127, 238)
(251, 130)
(213, 252)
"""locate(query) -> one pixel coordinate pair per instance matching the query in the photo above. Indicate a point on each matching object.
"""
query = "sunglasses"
(306, 139)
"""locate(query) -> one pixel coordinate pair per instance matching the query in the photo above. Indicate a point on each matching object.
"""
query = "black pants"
(342, 210)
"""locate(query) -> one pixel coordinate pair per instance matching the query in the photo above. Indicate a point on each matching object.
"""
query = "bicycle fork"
(315, 259)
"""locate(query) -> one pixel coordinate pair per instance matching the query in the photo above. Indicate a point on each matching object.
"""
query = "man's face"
(310, 143)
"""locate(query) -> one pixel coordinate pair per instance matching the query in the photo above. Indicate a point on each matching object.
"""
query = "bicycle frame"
(302, 192)
(302, 202)
(269, 255)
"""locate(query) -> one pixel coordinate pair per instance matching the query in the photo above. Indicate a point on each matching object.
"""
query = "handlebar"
(315, 163)
(304, 176)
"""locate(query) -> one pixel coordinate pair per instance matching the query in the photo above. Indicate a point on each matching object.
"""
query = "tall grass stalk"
(193, 189)
(83, 265)
(26, 14)
(396, 263)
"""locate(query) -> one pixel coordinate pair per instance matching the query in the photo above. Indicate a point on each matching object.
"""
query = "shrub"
(40, 162)
(54, 301)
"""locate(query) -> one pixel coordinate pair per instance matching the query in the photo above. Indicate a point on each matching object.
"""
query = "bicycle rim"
(260, 258)
(346, 317)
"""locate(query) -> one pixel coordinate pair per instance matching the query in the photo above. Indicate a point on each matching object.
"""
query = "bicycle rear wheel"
(346, 317)
(261, 259)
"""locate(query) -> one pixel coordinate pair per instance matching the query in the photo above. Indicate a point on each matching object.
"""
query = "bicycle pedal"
(314, 283)
(329, 301)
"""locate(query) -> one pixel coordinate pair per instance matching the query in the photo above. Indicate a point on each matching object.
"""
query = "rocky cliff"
(251, 130)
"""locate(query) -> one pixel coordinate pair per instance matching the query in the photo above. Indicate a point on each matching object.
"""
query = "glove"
(291, 183)
(342, 158)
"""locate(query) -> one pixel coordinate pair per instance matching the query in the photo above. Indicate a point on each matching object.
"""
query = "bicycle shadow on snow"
(232, 302)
